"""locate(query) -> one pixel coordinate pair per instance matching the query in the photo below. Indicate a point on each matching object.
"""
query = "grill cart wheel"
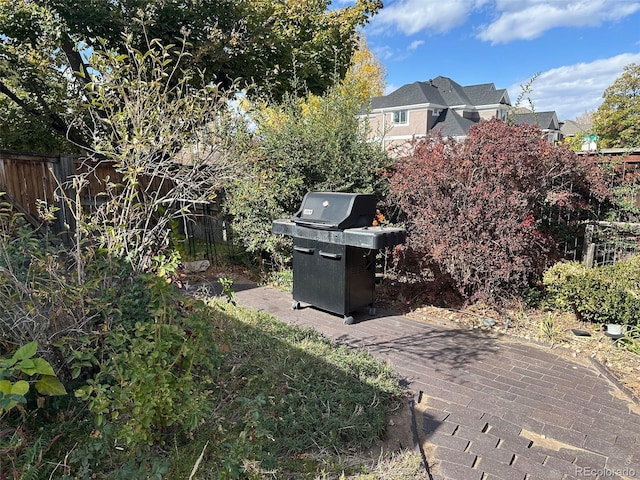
(295, 305)
(348, 320)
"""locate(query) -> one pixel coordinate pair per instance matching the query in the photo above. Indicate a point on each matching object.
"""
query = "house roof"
(487, 94)
(442, 92)
(451, 124)
(416, 93)
(570, 128)
(544, 120)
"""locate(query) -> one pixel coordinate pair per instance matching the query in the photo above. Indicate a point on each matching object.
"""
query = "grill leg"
(348, 320)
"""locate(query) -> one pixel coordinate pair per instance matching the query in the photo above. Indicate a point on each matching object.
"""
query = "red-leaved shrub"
(475, 208)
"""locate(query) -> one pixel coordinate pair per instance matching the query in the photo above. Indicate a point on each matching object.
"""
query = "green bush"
(315, 143)
(608, 294)
(24, 364)
(155, 376)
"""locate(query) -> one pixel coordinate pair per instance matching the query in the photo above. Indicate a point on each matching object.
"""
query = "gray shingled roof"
(571, 127)
(452, 124)
(411, 94)
(544, 120)
(452, 92)
(486, 94)
(441, 91)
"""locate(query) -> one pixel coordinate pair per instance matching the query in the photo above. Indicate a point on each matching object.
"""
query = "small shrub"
(608, 294)
(548, 329)
(155, 377)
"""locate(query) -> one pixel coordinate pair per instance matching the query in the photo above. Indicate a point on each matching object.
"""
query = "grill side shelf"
(376, 238)
(287, 227)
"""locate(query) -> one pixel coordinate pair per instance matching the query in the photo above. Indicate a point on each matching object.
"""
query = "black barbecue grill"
(334, 251)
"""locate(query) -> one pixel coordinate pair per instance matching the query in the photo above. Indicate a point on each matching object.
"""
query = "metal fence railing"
(606, 243)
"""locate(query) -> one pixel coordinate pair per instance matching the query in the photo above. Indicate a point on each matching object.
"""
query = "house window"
(400, 117)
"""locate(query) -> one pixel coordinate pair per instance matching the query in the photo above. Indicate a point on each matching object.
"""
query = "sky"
(575, 49)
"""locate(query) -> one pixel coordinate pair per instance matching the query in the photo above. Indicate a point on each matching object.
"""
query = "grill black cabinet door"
(333, 277)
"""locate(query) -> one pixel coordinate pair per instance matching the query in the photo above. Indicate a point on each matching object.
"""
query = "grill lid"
(337, 211)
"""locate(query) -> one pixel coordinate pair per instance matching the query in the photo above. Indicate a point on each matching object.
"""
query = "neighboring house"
(571, 128)
(546, 121)
(438, 105)
(443, 106)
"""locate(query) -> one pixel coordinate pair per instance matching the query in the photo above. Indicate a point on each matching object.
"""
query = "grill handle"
(333, 256)
(308, 251)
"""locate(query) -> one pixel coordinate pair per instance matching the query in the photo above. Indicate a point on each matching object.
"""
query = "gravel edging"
(605, 372)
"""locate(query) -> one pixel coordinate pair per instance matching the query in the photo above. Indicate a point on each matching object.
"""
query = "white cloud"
(573, 89)
(390, 88)
(512, 19)
(415, 44)
(413, 16)
(383, 52)
(526, 20)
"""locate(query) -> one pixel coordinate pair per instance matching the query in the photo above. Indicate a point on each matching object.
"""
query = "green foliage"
(39, 292)
(227, 289)
(161, 126)
(155, 377)
(312, 144)
(525, 91)
(294, 391)
(548, 330)
(13, 387)
(37, 97)
(617, 120)
(23, 455)
(608, 294)
(631, 339)
(272, 46)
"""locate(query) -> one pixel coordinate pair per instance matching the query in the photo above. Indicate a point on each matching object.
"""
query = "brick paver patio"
(488, 406)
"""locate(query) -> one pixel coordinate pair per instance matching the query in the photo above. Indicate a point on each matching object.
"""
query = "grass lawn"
(294, 405)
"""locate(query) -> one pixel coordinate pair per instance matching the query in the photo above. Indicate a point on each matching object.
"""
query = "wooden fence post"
(588, 248)
(65, 223)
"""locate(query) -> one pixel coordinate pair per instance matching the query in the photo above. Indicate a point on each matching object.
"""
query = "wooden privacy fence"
(33, 180)
(27, 179)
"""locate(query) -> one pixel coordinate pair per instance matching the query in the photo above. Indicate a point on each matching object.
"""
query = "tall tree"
(272, 46)
(617, 120)
(366, 75)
